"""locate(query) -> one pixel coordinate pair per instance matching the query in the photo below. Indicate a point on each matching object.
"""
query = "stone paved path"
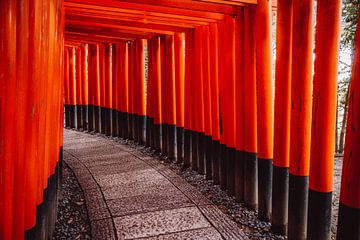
(130, 195)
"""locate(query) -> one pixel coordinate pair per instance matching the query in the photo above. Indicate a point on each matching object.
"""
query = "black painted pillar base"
(171, 141)
(141, 129)
(130, 126)
(265, 167)
(97, 119)
(208, 158)
(136, 127)
(152, 134)
(79, 117)
(114, 123)
(72, 116)
(46, 212)
(223, 166)
(157, 138)
(194, 152)
(298, 206)
(67, 115)
(90, 118)
(251, 181)
(148, 132)
(349, 223)
(102, 120)
(215, 156)
(230, 181)
(201, 153)
(108, 119)
(126, 125)
(239, 176)
(179, 144)
(164, 137)
(84, 117)
(187, 148)
(120, 124)
(280, 200)
(319, 215)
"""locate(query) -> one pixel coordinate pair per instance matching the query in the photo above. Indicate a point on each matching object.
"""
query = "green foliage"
(349, 20)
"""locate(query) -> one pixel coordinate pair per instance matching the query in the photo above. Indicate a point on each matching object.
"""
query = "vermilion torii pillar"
(324, 109)
(214, 81)
(349, 210)
(240, 106)
(280, 194)
(157, 96)
(149, 99)
(179, 55)
(66, 86)
(250, 165)
(198, 99)
(222, 107)
(300, 132)
(102, 92)
(108, 88)
(84, 85)
(139, 96)
(114, 89)
(72, 87)
(97, 88)
(122, 53)
(207, 101)
(188, 126)
(170, 95)
(79, 83)
(229, 126)
(265, 111)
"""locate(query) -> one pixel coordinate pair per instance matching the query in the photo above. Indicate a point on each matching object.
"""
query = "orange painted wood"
(265, 99)
(149, 8)
(240, 81)
(78, 76)
(283, 84)
(206, 80)
(350, 182)
(198, 93)
(214, 80)
(250, 82)
(66, 73)
(179, 53)
(102, 75)
(327, 44)
(189, 51)
(229, 75)
(140, 68)
(84, 75)
(156, 77)
(108, 76)
(301, 88)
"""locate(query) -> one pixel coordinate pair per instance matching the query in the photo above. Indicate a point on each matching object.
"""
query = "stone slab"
(128, 178)
(198, 234)
(160, 222)
(137, 188)
(162, 200)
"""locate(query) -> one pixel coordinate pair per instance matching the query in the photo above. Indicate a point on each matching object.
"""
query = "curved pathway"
(130, 195)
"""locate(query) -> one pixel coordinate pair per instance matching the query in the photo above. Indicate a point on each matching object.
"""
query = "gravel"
(72, 220)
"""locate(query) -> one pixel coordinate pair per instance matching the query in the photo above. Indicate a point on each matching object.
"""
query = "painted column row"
(31, 110)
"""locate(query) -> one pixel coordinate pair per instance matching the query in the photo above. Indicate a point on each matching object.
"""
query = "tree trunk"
(336, 127)
(343, 125)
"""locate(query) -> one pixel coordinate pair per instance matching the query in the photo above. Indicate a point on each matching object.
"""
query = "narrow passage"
(132, 196)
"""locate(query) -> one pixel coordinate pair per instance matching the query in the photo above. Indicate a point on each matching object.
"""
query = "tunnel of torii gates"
(192, 79)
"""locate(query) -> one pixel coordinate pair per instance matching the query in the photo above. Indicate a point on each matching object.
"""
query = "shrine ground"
(131, 193)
